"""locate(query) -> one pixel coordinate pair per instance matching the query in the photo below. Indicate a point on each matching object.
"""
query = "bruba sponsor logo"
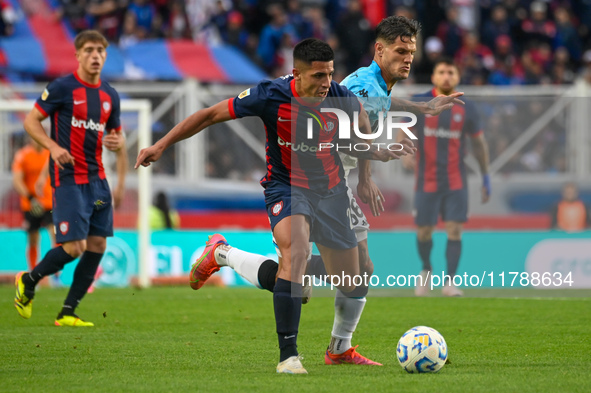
(88, 124)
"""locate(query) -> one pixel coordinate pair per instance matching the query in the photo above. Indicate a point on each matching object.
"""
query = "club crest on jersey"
(64, 227)
(329, 126)
(457, 117)
(277, 208)
(106, 106)
(245, 93)
(45, 95)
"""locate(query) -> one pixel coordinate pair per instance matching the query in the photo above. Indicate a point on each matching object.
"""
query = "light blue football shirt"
(370, 88)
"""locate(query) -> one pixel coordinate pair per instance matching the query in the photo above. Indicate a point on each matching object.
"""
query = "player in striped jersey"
(394, 52)
(441, 183)
(84, 114)
(305, 194)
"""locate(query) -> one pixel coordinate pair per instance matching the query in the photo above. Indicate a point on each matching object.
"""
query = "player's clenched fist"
(114, 140)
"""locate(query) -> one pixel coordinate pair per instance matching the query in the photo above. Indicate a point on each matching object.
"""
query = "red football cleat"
(206, 265)
(350, 356)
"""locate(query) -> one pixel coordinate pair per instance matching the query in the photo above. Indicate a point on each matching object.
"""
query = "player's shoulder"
(271, 87)
(24, 154)
(281, 83)
(21, 153)
(337, 90)
(109, 89)
(62, 83)
(357, 85)
(365, 82)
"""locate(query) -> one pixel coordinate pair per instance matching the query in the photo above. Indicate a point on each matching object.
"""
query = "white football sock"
(347, 312)
(244, 263)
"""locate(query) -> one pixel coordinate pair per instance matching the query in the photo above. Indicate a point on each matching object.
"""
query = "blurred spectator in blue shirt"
(272, 36)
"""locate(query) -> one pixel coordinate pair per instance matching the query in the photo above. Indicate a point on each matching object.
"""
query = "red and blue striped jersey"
(80, 114)
(442, 146)
(292, 158)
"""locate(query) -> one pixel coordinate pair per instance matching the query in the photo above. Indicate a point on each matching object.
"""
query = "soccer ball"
(422, 350)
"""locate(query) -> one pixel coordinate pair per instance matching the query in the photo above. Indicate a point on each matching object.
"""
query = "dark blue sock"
(83, 278)
(452, 253)
(288, 309)
(52, 262)
(425, 253)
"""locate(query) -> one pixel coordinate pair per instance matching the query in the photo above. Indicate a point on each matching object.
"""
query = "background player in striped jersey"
(305, 194)
(441, 187)
(34, 188)
(84, 115)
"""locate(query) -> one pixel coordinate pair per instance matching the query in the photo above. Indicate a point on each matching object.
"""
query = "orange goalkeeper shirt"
(30, 163)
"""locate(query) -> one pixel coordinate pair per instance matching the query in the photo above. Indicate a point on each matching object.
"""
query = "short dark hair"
(89, 36)
(392, 27)
(312, 49)
(445, 60)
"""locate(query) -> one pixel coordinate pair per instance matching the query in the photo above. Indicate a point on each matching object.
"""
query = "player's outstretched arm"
(480, 151)
(34, 128)
(434, 107)
(185, 129)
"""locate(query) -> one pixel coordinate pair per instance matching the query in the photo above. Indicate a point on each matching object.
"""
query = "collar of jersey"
(297, 96)
(378, 72)
(85, 83)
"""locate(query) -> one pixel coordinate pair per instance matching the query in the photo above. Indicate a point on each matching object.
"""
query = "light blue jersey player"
(368, 84)
(394, 52)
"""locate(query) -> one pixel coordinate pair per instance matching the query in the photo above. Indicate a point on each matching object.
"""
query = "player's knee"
(454, 231)
(97, 245)
(424, 234)
(75, 248)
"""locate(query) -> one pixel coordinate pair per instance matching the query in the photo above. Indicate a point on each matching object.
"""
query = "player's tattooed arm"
(434, 107)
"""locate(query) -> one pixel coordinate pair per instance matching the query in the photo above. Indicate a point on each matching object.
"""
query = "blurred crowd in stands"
(495, 42)
(498, 42)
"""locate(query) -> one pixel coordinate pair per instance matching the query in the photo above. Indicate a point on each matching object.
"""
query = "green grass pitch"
(223, 340)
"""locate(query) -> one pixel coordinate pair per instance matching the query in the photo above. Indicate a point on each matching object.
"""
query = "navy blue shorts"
(329, 216)
(82, 210)
(451, 204)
